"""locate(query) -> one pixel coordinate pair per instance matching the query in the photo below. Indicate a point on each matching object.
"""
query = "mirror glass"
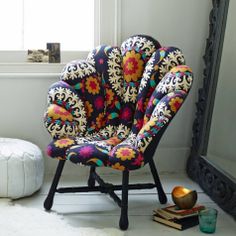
(222, 140)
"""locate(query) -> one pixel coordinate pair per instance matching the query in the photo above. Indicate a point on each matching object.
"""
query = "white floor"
(98, 210)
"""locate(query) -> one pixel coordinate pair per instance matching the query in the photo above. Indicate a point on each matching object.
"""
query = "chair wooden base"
(107, 188)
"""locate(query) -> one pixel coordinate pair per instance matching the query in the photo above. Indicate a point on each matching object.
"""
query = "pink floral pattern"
(85, 151)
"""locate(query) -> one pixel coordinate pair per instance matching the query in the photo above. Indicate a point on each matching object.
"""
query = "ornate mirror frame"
(215, 182)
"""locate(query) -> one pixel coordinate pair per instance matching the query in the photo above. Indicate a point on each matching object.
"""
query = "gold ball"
(184, 198)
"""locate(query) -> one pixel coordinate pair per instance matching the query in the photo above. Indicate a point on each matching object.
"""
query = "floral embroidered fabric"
(107, 109)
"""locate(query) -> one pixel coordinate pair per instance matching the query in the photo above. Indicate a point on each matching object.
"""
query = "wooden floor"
(98, 210)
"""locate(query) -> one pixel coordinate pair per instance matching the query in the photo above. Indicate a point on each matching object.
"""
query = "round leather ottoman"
(21, 168)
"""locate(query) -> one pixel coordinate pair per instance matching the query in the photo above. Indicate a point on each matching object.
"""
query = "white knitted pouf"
(21, 168)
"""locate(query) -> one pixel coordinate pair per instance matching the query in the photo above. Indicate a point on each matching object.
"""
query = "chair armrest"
(129, 154)
(65, 115)
(161, 116)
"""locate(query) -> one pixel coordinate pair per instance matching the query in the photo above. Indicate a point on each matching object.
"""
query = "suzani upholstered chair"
(112, 109)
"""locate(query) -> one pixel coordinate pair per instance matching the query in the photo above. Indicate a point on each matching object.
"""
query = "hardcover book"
(167, 215)
(173, 212)
(180, 224)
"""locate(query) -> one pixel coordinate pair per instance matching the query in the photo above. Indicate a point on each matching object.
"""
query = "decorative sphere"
(184, 198)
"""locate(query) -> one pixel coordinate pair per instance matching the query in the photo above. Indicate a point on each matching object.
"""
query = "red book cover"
(174, 209)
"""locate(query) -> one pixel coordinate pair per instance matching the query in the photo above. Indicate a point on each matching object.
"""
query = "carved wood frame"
(217, 184)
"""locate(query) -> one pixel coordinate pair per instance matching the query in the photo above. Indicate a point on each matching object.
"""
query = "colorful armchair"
(112, 109)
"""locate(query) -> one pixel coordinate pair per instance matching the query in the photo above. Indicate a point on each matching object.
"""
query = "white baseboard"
(168, 160)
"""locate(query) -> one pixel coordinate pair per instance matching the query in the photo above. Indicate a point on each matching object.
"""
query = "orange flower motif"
(146, 103)
(117, 166)
(125, 153)
(100, 121)
(65, 142)
(175, 104)
(181, 68)
(132, 66)
(109, 96)
(145, 120)
(89, 108)
(113, 141)
(92, 85)
(156, 67)
(57, 112)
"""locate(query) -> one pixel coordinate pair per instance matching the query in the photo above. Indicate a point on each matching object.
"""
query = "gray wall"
(182, 23)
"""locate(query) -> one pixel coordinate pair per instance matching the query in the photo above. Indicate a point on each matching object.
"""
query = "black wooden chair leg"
(91, 180)
(49, 200)
(161, 194)
(124, 222)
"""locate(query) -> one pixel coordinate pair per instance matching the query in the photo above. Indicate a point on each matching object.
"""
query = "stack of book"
(177, 218)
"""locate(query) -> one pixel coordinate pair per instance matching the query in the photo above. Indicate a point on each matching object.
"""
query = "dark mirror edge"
(219, 186)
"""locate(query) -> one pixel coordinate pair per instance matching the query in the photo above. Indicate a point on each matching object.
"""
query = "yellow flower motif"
(125, 153)
(148, 125)
(89, 108)
(117, 166)
(92, 85)
(145, 120)
(132, 66)
(181, 68)
(65, 142)
(175, 103)
(57, 112)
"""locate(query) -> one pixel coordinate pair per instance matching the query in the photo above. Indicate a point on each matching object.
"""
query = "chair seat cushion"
(97, 151)
(90, 153)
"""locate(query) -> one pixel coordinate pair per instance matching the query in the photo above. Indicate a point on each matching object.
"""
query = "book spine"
(165, 222)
